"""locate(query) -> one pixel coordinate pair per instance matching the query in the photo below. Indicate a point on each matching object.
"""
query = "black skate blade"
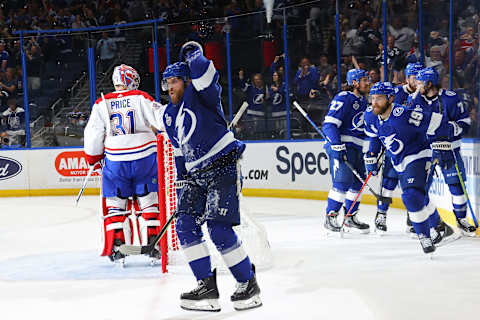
(206, 305)
(251, 303)
(356, 230)
(454, 237)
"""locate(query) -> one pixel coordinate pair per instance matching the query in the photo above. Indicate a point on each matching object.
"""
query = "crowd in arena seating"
(55, 62)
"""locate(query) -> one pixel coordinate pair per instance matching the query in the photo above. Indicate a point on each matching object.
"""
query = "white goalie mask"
(127, 76)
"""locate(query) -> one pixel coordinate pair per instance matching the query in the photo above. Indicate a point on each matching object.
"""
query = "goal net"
(251, 232)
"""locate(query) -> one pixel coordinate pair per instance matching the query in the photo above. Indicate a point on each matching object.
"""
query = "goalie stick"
(90, 171)
(136, 250)
(355, 173)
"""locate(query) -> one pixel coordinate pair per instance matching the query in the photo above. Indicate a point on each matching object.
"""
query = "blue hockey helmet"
(126, 76)
(413, 68)
(177, 69)
(385, 88)
(428, 74)
(355, 74)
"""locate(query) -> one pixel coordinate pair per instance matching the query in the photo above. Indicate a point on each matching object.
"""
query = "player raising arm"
(120, 129)
(196, 126)
(403, 133)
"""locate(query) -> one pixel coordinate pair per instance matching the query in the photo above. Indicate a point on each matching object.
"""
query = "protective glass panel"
(56, 68)
(312, 57)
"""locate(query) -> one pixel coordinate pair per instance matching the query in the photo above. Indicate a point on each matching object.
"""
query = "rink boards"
(287, 169)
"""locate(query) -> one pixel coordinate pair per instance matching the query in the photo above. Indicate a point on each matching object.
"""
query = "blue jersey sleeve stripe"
(335, 121)
(435, 122)
(206, 79)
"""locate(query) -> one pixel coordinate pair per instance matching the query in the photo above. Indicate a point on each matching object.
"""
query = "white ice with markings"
(50, 269)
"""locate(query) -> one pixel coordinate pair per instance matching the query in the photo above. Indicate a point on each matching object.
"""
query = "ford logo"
(9, 168)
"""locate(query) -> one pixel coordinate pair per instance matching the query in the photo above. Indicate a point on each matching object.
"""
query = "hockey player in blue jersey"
(403, 91)
(206, 156)
(344, 129)
(446, 150)
(389, 175)
(403, 132)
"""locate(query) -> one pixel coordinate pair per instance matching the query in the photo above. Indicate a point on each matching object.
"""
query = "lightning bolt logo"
(388, 142)
(336, 166)
(180, 125)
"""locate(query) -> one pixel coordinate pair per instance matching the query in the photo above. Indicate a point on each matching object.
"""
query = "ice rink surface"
(50, 269)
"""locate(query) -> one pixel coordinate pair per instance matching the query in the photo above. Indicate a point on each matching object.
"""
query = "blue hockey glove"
(189, 51)
(443, 154)
(339, 152)
(371, 163)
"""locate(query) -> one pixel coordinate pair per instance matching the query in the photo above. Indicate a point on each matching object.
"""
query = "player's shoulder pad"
(341, 94)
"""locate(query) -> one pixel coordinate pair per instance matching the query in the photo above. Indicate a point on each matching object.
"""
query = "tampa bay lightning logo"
(186, 119)
(358, 122)
(277, 98)
(397, 112)
(258, 98)
(394, 145)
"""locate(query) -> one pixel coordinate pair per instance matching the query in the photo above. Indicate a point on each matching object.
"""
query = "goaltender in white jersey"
(120, 129)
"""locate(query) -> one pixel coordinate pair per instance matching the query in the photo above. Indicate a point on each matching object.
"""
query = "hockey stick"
(359, 177)
(465, 190)
(239, 114)
(354, 201)
(134, 250)
(90, 171)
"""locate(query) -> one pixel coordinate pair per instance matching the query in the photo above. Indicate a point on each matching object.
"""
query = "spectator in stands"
(107, 49)
(306, 79)
(34, 67)
(78, 23)
(324, 71)
(255, 97)
(435, 60)
(278, 65)
(3, 56)
(403, 35)
(9, 83)
(15, 121)
(370, 36)
(373, 75)
(394, 60)
(276, 98)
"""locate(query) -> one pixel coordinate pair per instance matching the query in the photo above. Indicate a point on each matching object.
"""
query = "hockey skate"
(352, 224)
(116, 256)
(465, 227)
(331, 223)
(427, 244)
(381, 223)
(204, 297)
(443, 234)
(247, 294)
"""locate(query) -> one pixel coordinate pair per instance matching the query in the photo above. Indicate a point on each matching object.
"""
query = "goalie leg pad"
(115, 224)
(149, 223)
